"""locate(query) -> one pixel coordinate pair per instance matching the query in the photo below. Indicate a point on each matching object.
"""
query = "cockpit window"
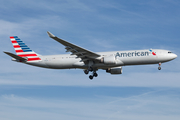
(169, 52)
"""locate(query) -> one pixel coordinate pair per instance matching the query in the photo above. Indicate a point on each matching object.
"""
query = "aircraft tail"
(23, 51)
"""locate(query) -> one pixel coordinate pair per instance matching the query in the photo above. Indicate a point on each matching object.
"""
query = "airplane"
(87, 60)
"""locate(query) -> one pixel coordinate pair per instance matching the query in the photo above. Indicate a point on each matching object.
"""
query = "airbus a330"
(87, 60)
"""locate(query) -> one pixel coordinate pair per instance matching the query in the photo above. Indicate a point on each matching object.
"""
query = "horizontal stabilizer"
(16, 57)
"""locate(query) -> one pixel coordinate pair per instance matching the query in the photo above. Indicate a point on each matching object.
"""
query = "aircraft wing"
(76, 50)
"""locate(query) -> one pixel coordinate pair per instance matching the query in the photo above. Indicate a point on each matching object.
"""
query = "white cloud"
(31, 26)
(151, 105)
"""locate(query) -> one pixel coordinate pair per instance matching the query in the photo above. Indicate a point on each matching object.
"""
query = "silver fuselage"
(123, 58)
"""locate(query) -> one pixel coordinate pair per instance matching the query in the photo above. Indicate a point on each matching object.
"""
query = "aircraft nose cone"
(175, 56)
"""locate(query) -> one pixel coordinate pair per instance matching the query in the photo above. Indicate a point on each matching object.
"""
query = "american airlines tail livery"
(90, 61)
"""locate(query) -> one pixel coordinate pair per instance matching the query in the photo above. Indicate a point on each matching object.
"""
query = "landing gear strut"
(95, 74)
(91, 69)
(159, 68)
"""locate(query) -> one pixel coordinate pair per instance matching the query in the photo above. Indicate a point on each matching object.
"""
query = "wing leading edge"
(80, 52)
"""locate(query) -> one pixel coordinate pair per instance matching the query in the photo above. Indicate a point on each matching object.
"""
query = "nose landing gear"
(159, 68)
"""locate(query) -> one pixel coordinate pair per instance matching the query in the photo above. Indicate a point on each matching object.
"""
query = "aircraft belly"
(38, 64)
(60, 64)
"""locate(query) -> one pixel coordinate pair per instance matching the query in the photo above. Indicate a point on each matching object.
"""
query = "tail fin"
(23, 50)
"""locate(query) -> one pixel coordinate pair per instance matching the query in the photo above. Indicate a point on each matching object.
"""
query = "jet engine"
(117, 70)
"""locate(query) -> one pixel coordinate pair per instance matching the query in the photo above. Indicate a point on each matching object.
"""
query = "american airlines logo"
(152, 52)
(131, 54)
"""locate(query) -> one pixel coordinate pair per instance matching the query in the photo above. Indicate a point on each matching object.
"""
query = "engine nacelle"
(117, 70)
(109, 60)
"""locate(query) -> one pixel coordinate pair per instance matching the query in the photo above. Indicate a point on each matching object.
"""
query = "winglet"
(50, 34)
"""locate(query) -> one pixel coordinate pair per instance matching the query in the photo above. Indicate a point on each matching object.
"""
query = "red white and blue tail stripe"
(23, 50)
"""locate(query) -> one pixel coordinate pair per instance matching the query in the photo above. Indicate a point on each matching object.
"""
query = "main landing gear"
(91, 70)
(93, 75)
(159, 68)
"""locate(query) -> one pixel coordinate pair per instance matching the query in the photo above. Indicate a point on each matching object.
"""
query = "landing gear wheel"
(95, 74)
(91, 77)
(159, 68)
(86, 72)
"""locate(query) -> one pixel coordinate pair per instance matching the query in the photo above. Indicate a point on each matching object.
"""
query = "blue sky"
(141, 92)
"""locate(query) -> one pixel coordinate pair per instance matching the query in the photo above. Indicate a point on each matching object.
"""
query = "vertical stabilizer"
(23, 50)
